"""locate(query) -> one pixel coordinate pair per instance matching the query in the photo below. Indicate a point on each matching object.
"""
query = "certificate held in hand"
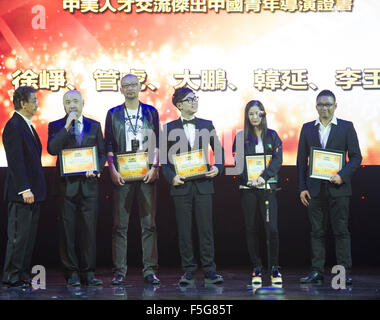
(132, 166)
(191, 165)
(325, 163)
(79, 161)
(255, 166)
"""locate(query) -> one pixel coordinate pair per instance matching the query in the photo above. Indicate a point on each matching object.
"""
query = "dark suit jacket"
(59, 139)
(115, 128)
(204, 185)
(273, 147)
(23, 153)
(342, 137)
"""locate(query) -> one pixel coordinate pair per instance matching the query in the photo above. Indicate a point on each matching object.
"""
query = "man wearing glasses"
(132, 127)
(328, 199)
(186, 134)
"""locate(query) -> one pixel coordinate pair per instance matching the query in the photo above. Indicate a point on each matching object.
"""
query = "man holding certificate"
(24, 187)
(78, 143)
(191, 184)
(324, 181)
(131, 129)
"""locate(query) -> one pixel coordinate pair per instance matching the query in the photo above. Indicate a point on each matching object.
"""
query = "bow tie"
(192, 121)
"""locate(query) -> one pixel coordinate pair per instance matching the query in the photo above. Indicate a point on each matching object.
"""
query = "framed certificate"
(255, 166)
(191, 165)
(79, 161)
(324, 163)
(132, 166)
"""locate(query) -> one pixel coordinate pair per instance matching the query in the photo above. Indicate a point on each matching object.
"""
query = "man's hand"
(116, 178)
(28, 197)
(337, 179)
(70, 118)
(151, 175)
(178, 180)
(213, 172)
(305, 196)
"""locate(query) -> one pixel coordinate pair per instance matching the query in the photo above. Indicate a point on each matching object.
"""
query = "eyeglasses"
(327, 105)
(191, 100)
(130, 85)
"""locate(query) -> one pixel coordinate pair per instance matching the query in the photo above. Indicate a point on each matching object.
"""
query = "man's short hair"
(22, 94)
(325, 93)
(179, 94)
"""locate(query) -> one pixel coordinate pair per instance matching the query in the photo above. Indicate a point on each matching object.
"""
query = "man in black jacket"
(79, 193)
(24, 187)
(193, 133)
(133, 126)
(323, 197)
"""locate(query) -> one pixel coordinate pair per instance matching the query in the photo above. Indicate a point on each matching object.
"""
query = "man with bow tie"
(24, 187)
(193, 133)
(79, 193)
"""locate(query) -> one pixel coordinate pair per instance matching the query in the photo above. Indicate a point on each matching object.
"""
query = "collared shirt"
(189, 131)
(324, 132)
(28, 121)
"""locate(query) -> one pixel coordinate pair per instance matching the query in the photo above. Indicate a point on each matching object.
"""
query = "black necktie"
(192, 121)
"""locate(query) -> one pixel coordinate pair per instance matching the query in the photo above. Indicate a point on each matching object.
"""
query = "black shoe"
(15, 284)
(213, 278)
(313, 278)
(118, 280)
(92, 282)
(73, 282)
(187, 279)
(152, 279)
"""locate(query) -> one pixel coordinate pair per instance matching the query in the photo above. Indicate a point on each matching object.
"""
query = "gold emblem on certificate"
(325, 163)
(191, 164)
(79, 161)
(255, 166)
(132, 166)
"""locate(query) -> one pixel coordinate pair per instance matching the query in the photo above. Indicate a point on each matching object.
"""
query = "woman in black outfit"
(256, 139)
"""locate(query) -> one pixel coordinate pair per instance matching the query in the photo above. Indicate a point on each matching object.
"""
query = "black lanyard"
(134, 129)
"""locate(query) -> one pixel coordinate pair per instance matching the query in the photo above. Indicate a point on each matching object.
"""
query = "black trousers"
(22, 230)
(252, 201)
(202, 205)
(337, 209)
(84, 212)
(123, 200)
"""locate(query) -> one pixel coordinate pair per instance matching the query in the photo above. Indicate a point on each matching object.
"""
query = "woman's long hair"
(249, 132)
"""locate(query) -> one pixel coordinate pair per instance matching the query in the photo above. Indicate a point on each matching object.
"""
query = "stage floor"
(366, 286)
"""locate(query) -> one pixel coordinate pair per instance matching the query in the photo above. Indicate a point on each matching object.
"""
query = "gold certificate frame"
(132, 166)
(79, 161)
(325, 163)
(255, 166)
(191, 165)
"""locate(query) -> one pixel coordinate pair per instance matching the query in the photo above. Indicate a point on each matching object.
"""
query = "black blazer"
(342, 137)
(59, 138)
(23, 152)
(204, 185)
(273, 147)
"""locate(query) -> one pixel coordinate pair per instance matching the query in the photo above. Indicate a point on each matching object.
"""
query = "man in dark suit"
(79, 193)
(131, 127)
(24, 187)
(323, 197)
(191, 133)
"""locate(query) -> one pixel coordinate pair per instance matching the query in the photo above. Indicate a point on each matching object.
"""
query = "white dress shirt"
(324, 132)
(190, 131)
